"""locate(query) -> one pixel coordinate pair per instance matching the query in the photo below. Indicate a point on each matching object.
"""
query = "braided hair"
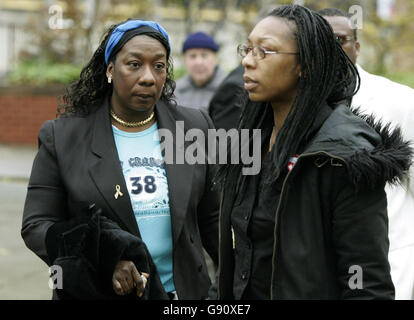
(86, 94)
(327, 75)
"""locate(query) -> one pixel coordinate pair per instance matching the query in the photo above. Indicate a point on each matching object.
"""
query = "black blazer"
(77, 164)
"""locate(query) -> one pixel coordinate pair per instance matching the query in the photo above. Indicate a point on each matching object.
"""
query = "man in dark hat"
(204, 75)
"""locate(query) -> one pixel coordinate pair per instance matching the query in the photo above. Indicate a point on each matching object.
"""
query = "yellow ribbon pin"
(118, 192)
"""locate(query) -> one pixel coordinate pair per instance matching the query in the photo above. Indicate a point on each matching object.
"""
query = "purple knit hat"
(200, 40)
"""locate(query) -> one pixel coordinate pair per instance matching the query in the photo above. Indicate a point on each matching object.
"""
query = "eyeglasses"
(257, 51)
(342, 39)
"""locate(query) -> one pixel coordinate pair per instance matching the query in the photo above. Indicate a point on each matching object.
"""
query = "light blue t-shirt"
(146, 179)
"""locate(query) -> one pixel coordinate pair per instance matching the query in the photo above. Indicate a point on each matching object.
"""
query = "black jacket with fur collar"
(331, 225)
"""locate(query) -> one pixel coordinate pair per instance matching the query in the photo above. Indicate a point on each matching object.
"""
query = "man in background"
(196, 89)
(391, 102)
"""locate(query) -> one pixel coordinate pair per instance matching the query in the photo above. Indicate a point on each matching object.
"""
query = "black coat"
(77, 164)
(225, 106)
(332, 214)
(87, 250)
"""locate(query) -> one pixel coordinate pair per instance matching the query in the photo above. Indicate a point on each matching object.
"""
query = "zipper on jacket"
(305, 155)
(219, 253)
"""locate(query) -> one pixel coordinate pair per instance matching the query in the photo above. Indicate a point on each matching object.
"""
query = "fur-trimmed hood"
(373, 152)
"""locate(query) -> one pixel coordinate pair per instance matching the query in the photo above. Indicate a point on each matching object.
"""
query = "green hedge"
(179, 72)
(35, 73)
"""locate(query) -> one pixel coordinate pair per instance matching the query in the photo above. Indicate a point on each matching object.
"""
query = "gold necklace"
(131, 124)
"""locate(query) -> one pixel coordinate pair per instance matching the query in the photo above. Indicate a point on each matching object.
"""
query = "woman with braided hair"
(313, 223)
(102, 204)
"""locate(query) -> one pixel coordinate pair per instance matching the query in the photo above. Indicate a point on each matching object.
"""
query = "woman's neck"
(123, 114)
(280, 113)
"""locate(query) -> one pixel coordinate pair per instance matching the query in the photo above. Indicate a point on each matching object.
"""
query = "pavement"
(16, 162)
(23, 276)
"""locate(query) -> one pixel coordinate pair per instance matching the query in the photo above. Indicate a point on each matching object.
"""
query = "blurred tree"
(390, 38)
(83, 22)
(386, 42)
(192, 14)
(250, 10)
(72, 40)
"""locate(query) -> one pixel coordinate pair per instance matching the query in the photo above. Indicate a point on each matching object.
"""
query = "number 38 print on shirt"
(148, 189)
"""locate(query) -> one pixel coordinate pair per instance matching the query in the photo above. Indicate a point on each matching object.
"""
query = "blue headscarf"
(120, 30)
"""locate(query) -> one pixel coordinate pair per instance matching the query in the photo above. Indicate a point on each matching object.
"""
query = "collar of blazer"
(106, 171)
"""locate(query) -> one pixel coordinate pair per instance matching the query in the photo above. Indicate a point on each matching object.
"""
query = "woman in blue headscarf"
(102, 204)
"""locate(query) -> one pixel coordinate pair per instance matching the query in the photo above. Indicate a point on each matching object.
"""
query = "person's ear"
(357, 48)
(109, 70)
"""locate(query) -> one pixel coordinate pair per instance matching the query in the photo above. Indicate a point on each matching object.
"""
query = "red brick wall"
(21, 116)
